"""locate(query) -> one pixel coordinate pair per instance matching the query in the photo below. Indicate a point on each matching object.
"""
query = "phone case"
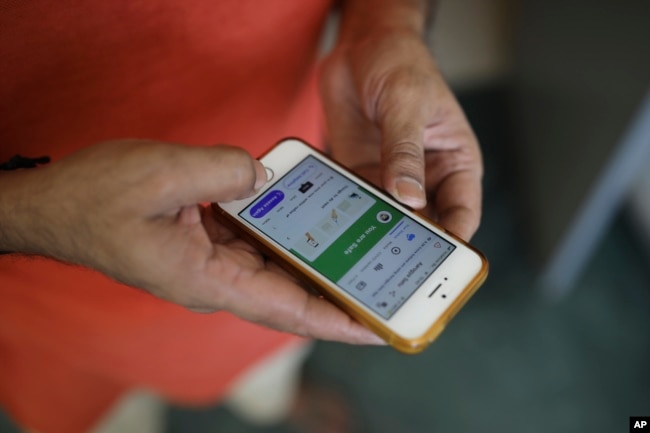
(409, 346)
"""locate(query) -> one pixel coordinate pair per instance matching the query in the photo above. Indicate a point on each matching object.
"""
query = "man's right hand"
(132, 210)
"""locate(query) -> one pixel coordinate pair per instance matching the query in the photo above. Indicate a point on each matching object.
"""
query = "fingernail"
(410, 192)
(260, 175)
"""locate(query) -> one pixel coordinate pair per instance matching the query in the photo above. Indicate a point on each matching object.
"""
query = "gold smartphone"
(391, 269)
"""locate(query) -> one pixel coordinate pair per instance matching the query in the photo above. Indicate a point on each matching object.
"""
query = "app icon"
(305, 187)
(299, 177)
(311, 241)
(268, 202)
(384, 217)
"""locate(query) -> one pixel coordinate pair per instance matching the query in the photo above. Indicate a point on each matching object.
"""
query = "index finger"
(458, 203)
(271, 299)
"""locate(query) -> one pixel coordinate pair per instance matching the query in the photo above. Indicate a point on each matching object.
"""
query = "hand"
(131, 209)
(392, 118)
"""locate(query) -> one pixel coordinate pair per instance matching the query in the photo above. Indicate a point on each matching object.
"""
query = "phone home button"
(269, 174)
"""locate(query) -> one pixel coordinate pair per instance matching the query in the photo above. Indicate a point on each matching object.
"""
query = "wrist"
(361, 19)
(18, 215)
(11, 230)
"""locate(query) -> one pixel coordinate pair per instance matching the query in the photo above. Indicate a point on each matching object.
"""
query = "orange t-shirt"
(73, 73)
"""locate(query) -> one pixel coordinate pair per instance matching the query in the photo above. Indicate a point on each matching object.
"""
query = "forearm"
(361, 18)
(15, 215)
(29, 221)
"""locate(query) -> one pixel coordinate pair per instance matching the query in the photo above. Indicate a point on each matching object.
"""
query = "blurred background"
(558, 339)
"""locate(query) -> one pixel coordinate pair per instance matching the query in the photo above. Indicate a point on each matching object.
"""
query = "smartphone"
(391, 269)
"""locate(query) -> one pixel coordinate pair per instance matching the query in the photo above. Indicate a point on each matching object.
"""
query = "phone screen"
(352, 237)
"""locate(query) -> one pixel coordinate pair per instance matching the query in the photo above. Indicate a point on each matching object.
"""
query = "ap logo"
(640, 424)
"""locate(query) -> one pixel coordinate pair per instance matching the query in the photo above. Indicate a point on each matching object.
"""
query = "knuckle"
(404, 157)
(157, 167)
(160, 184)
(237, 165)
(458, 161)
(231, 153)
(299, 319)
(300, 324)
(406, 79)
(406, 84)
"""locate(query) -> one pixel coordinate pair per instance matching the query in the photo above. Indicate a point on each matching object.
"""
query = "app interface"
(356, 240)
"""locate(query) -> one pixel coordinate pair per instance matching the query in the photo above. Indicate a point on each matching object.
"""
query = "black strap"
(18, 161)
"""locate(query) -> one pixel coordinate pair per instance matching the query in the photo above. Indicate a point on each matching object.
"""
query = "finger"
(402, 114)
(213, 174)
(270, 299)
(217, 233)
(458, 203)
(352, 137)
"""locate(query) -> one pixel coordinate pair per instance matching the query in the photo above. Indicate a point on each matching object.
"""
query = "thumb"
(215, 173)
(402, 151)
